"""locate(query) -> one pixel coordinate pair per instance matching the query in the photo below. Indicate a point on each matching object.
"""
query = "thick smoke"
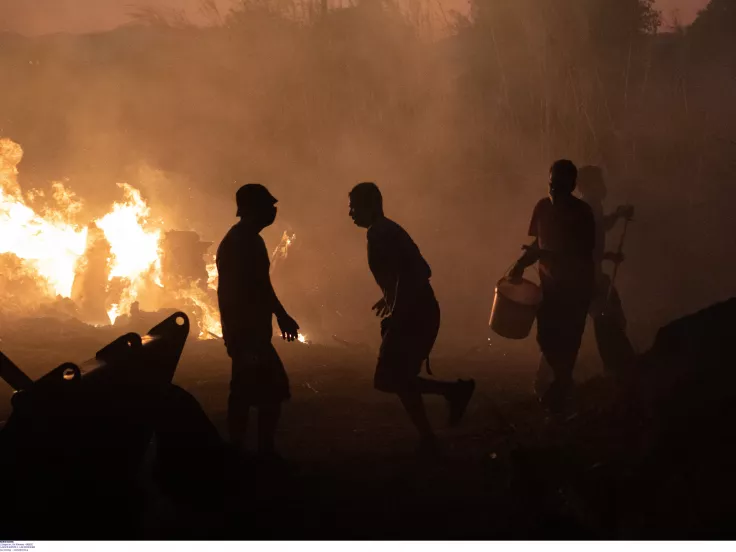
(457, 122)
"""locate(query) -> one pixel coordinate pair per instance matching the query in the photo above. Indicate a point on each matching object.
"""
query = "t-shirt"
(398, 265)
(244, 289)
(567, 230)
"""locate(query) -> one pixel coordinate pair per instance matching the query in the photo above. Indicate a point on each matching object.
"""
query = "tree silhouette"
(713, 33)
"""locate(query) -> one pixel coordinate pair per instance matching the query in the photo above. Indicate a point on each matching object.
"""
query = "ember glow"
(282, 250)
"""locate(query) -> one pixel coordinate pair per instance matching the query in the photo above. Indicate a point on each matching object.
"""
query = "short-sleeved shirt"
(393, 257)
(243, 291)
(566, 228)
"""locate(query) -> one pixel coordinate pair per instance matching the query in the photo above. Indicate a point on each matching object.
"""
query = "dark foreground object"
(74, 452)
(647, 456)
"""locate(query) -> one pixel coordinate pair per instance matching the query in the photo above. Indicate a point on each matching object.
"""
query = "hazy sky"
(48, 16)
(685, 10)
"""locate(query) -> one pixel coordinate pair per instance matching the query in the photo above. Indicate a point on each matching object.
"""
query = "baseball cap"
(253, 195)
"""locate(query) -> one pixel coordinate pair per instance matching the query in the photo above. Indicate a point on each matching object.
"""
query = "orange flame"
(50, 245)
(50, 249)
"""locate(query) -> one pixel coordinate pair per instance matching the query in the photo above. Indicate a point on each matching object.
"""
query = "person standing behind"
(609, 320)
(247, 304)
(564, 230)
(410, 316)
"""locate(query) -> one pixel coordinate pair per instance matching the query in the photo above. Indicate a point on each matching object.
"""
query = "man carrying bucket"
(411, 316)
(564, 230)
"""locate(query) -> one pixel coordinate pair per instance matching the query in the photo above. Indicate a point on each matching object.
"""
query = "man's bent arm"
(532, 253)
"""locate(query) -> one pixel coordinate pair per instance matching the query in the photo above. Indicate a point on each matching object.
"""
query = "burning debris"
(102, 267)
(182, 255)
(46, 244)
(113, 270)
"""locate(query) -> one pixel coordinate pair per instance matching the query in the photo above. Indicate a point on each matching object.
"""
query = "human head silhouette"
(562, 179)
(256, 205)
(366, 204)
(591, 184)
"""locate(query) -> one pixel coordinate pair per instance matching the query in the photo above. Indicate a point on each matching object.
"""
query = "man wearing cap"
(410, 316)
(247, 304)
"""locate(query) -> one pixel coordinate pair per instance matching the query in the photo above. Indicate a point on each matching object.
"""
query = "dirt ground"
(352, 469)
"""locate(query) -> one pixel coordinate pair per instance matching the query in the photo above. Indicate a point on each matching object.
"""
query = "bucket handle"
(506, 272)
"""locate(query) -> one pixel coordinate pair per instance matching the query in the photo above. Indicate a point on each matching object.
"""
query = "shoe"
(459, 399)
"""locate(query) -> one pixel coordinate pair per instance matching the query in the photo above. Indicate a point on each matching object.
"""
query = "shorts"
(258, 378)
(406, 344)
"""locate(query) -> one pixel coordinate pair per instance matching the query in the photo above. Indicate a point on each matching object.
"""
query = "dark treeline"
(457, 126)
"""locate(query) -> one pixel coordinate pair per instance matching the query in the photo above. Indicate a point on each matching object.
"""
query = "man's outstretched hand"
(381, 307)
(289, 328)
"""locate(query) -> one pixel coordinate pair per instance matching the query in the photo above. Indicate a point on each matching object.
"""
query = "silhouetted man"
(606, 310)
(410, 312)
(247, 304)
(564, 230)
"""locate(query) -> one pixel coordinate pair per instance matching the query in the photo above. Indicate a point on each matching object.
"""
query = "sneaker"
(459, 399)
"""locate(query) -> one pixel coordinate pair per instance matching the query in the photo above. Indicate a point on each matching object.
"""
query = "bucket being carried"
(515, 308)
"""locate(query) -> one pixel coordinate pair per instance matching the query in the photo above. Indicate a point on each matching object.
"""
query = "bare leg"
(414, 406)
(543, 378)
(268, 420)
(555, 398)
(457, 393)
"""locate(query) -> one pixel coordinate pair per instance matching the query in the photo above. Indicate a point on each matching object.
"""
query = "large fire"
(48, 251)
(134, 246)
(46, 243)
(110, 267)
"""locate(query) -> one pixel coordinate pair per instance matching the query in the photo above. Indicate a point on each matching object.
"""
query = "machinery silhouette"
(81, 439)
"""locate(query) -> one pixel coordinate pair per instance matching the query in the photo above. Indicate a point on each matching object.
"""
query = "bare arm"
(289, 327)
(609, 221)
(532, 253)
(276, 307)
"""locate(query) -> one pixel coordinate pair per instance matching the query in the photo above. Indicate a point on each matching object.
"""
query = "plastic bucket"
(514, 308)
